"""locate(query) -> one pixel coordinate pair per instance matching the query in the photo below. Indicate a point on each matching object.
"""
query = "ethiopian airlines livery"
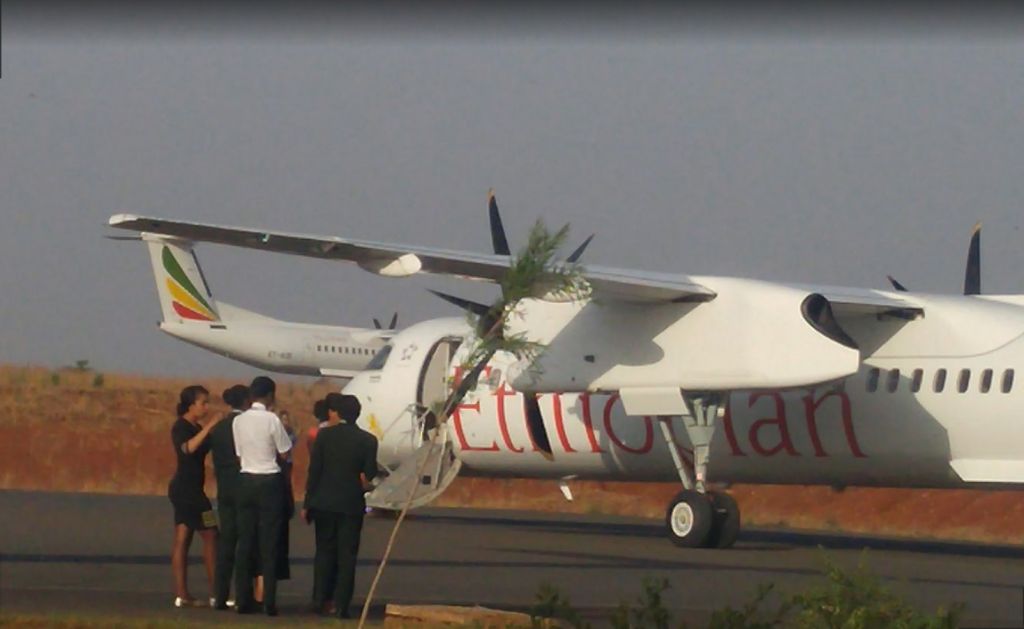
(191, 313)
(658, 376)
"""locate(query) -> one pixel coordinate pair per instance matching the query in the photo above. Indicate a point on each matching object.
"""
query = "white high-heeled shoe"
(187, 602)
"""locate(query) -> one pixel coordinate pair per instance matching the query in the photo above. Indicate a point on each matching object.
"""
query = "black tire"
(726, 527)
(689, 519)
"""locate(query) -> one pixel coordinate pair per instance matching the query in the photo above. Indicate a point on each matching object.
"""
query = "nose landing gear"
(697, 517)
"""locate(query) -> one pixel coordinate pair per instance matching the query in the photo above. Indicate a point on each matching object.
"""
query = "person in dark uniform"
(260, 442)
(225, 465)
(322, 421)
(192, 509)
(343, 462)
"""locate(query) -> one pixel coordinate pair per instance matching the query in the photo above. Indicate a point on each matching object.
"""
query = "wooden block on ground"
(404, 615)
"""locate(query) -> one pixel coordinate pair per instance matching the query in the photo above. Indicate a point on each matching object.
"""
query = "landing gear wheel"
(726, 526)
(689, 519)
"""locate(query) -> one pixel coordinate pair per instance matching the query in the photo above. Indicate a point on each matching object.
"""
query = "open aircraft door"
(429, 469)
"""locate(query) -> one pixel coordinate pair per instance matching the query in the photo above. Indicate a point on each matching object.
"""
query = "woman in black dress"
(192, 509)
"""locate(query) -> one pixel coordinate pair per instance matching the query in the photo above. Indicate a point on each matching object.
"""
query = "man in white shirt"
(260, 441)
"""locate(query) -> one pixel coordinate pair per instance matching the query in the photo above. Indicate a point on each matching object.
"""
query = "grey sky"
(801, 160)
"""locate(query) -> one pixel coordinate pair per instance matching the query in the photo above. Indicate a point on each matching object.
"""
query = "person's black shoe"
(270, 610)
(246, 609)
(343, 615)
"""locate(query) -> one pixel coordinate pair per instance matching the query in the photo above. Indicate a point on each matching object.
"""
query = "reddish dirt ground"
(63, 431)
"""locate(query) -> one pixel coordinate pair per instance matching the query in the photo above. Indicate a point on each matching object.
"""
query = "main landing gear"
(697, 517)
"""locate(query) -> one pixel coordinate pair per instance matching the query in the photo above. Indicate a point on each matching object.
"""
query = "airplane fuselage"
(284, 347)
(934, 405)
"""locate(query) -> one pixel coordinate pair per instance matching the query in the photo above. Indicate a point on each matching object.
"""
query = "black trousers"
(261, 505)
(337, 546)
(227, 539)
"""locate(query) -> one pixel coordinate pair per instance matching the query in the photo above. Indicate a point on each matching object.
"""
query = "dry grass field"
(66, 431)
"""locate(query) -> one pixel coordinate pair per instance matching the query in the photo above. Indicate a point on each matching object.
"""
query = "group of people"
(245, 539)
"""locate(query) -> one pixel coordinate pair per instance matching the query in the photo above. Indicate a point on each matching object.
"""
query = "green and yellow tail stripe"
(188, 301)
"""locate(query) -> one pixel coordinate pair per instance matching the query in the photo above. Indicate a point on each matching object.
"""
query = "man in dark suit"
(225, 464)
(341, 466)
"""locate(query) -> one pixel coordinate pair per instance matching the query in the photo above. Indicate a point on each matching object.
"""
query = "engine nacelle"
(753, 335)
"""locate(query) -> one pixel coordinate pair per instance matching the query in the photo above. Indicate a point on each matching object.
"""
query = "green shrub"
(857, 600)
(55, 378)
(650, 611)
(551, 603)
(750, 615)
(847, 600)
(97, 381)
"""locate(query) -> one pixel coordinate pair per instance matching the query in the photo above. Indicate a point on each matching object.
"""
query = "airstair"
(427, 471)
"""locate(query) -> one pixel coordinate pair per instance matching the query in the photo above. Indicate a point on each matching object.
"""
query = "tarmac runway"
(101, 554)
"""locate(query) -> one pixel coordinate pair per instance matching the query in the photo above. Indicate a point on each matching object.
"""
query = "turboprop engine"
(753, 335)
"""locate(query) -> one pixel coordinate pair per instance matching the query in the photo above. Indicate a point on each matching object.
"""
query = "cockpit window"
(380, 358)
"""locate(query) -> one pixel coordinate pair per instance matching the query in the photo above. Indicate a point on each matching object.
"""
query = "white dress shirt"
(259, 437)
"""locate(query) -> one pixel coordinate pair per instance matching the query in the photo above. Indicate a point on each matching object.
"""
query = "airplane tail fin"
(184, 294)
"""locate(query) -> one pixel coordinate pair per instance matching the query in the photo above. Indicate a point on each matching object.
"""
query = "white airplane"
(703, 379)
(191, 313)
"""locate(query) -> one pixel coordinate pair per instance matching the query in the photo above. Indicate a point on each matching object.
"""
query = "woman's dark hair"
(188, 397)
(320, 410)
(236, 396)
(346, 406)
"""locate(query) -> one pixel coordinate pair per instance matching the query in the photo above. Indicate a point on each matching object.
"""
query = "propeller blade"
(972, 274)
(394, 322)
(476, 308)
(108, 237)
(498, 239)
(896, 285)
(376, 323)
(575, 255)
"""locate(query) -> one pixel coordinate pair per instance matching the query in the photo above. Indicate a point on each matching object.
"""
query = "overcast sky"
(809, 158)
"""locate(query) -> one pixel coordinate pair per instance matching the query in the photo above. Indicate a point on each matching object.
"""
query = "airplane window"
(964, 380)
(892, 381)
(915, 381)
(380, 358)
(940, 380)
(1007, 380)
(873, 380)
(986, 381)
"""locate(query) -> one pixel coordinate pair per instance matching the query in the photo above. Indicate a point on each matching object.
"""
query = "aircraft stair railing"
(415, 425)
(435, 456)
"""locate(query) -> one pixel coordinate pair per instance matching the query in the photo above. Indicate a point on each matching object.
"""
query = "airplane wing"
(400, 261)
